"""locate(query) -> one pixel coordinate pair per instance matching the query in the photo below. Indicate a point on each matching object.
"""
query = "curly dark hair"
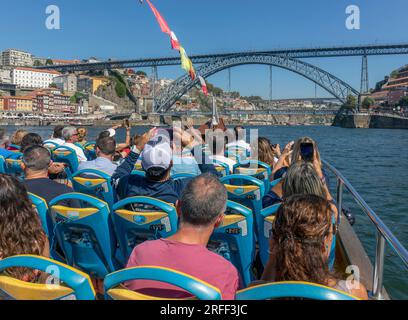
(302, 224)
(20, 226)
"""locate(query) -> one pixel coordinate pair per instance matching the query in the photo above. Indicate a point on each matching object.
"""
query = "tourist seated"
(4, 143)
(122, 149)
(57, 136)
(264, 151)
(16, 140)
(239, 139)
(217, 147)
(201, 210)
(300, 245)
(82, 133)
(105, 150)
(70, 136)
(30, 139)
(156, 162)
(20, 228)
(36, 163)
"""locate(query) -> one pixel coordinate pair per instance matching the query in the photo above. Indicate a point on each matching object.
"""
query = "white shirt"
(58, 141)
(239, 143)
(79, 152)
(228, 161)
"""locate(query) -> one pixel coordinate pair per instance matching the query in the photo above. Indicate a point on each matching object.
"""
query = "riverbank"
(373, 121)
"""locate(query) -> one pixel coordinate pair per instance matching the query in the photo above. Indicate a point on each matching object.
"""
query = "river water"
(375, 161)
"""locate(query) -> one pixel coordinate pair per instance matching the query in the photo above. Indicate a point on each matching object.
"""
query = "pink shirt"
(193, 259)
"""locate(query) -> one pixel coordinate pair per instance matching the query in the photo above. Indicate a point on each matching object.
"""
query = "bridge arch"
(335, 86)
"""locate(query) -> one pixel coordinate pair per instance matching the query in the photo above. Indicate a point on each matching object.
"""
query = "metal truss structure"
(299, 53)
(338, 88)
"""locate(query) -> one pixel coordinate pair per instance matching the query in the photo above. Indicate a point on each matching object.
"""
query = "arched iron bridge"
(167, 97)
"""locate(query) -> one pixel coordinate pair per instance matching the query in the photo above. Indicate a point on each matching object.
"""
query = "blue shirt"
(101, 164)
(184, 164)
(7, 154)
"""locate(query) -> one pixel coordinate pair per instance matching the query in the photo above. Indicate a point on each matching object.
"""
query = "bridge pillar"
(270, 85)
(154, 77)
(364, 75)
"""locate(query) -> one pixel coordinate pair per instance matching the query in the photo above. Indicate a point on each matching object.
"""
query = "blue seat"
(245, 190)
(13, 167)
(42, 209)
(90, 151)
(16, 147)
(256, 169)
(295, 289)
(66, 155)
(183, 175)
(194, 286)
(2, 165)
(139, 218)
(68, 283)
(264, 222)
(234, 239)
(50, 145)
(221, 167)
(86, 234)
(95, 183)
(237, 153)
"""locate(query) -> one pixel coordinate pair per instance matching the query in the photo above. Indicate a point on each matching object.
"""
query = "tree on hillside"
(368, 102)
(141, 73)
(49, 62)
(53, 85)
(351, 104)
(37, 63)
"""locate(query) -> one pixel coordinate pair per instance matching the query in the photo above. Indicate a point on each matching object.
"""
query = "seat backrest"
(140, 218)
(292, 289)
(237, 153)
(2, 165)
(183, 175)
(234, 239)
(89, 149)
(64, 283)
(66, 155)
(196, 287)
(221, 167)
(256, 169)
(13, 167)
(50, 145)
(41, 206)
(95, 183)
(245, 190)
(264, 222)
(86, 234)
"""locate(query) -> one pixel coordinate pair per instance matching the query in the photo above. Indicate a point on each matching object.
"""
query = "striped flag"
(203, 85)
(175, 44)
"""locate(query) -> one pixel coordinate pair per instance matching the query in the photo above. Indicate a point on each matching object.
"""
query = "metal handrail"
(383, 233)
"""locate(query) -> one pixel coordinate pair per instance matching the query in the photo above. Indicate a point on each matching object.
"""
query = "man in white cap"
(157, 162)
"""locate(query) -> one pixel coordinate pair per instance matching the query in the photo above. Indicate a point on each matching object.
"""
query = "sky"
(126, 29)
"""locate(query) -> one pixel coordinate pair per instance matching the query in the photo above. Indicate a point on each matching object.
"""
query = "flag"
(192, 71)
(185, 60)
(163, 24)
(175, 44)
(203, 85)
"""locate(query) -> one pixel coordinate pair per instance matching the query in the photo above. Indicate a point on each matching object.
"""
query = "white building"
(13, 58)
(33, 78)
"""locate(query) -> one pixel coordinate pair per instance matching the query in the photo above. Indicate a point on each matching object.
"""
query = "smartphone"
(307, 151)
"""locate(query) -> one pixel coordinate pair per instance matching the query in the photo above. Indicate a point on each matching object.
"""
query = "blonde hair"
(296, 155)
(18, 136)
(82, 132)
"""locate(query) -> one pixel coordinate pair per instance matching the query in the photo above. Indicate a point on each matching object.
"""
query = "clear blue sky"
(124, 29)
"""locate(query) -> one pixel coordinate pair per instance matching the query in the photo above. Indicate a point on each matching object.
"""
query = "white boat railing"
(383, 232)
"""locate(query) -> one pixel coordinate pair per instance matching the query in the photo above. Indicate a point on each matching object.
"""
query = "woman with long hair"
(20, 227)
(266, 152)
(300, 245)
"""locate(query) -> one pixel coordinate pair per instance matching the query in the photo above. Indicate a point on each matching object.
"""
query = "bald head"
(203, 200)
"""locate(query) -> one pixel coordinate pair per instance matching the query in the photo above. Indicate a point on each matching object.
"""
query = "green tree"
(37, 63)
(141, 73)
(368, 102)
(120, 89)
(53, 85)
(49, 62)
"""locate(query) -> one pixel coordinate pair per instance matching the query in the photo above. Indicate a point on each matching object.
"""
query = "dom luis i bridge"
(289, 59)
